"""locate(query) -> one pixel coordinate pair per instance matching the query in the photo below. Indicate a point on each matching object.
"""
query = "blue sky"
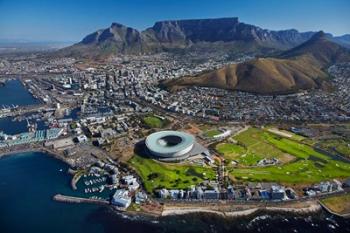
(71, 20)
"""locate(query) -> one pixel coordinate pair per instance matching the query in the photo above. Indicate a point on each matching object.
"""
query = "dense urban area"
(260, 148)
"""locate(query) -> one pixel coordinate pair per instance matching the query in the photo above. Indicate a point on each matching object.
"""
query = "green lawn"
(211, 133)
(230, 150)
(253, 146)
(238, 153)
(340, 145)
(154, 122)
(249, 137)
(156, 175)
(310, 166)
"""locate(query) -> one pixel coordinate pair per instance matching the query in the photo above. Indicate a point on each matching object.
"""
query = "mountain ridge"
(300, 68)
(183, 34)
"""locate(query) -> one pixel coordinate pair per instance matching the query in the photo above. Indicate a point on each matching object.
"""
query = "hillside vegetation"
(300, 68)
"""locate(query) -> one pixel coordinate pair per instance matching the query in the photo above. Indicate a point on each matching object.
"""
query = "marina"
(14, 94)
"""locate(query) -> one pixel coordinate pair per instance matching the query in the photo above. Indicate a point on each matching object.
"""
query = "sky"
(71, 20)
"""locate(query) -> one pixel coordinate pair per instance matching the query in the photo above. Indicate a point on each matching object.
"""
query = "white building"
(121, 198)
(82, 138)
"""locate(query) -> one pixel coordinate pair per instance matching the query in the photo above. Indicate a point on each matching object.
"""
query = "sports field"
(211, 133)
(152, 121)
(157, 175)
(308, 166)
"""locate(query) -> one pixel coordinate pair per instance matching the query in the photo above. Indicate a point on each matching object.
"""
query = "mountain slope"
(300, 68)
(115, 39)
(343, 40)
(321, 49)
(223, 33)
(262, 75)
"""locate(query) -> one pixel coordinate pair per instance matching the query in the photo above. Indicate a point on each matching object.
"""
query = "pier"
(71, 199)
(20, 110)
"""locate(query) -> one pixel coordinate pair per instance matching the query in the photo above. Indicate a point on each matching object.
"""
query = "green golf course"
(156, 175)
(251, 147)
(308, 165)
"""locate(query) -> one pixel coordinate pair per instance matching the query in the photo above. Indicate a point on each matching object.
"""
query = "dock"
(71, 199)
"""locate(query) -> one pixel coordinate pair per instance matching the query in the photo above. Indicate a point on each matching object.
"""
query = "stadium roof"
(167, 142)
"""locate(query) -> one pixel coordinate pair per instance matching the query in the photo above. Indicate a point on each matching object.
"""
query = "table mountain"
(221, 33)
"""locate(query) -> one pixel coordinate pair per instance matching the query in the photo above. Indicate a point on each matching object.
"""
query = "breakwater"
(71, 199)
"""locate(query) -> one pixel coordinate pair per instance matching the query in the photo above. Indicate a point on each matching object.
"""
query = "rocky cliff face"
(189, 32)
(221, 34)
(208, 30)
(118, 37)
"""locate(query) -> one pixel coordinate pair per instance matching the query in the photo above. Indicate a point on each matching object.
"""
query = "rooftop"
(169, 141)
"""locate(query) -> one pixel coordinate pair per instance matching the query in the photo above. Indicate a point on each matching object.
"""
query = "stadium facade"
(173, 146)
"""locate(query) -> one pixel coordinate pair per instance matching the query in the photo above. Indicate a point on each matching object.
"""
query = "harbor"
(14, 94)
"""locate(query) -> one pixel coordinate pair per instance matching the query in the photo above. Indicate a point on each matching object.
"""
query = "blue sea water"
(15, 93)
(28, 182)
(10, 127)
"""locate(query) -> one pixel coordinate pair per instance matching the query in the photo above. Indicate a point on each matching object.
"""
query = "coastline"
(174, 209)
(24, 150)
(34, 148)
(325, 207)
(306, 208)
(309, 207)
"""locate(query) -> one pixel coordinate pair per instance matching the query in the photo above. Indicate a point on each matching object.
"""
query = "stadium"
(172, 146)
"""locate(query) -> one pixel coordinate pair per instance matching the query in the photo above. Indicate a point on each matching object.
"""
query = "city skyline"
(70, 21)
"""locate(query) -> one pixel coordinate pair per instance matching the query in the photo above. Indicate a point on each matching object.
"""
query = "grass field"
(230, 150)
(340, 145)
(309, 165)
(154, 122)
(211, 133)
(238, 153)
(338, 204)
(156, 175)
(253, 146)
